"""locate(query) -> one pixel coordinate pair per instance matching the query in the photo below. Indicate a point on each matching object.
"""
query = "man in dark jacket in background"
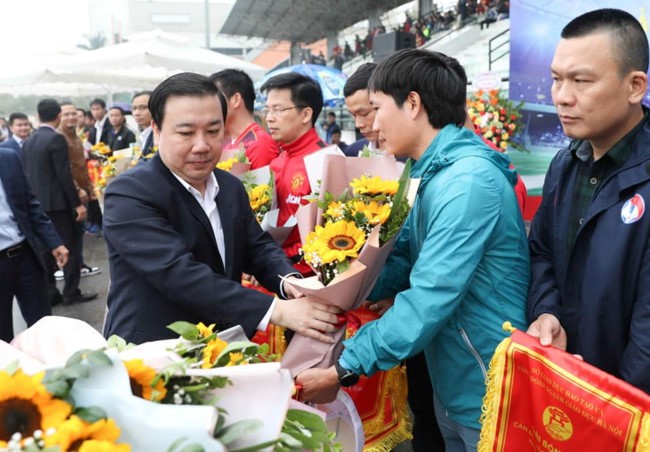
(589, 242)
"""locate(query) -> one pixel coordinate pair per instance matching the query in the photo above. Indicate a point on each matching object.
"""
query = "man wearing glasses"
(292, 108)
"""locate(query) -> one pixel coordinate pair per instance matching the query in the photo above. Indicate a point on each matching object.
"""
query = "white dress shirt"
(209, 205)
(99, 128)
(10, 234)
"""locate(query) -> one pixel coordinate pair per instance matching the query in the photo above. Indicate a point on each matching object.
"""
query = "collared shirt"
(19, 140)
(99, 128)
(10, 234)
(592, 173)
(209, 205)
(144, 136)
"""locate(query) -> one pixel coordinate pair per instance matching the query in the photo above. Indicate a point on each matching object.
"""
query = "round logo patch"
(633, 209)
(557, 423)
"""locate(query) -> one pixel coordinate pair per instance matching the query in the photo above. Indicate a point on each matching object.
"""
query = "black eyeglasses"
(266, 111)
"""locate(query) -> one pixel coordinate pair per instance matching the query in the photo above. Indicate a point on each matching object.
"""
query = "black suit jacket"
(27, 211)
(164, 261)
(105, 136)
(46, 163)
(121, 140)
(13, 144)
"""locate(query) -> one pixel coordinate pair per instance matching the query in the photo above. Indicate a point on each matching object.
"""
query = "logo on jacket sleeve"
(633, 209)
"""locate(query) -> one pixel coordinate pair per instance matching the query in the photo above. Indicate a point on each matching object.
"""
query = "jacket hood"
(453, 143)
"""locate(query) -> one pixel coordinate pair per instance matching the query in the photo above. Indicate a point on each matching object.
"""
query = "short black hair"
(98, 101)
(89, 115)
(331, 113)
(186, 84)
(626, 34)
(305, 92)
(48, 110)
(17, 115)
(66, 102)
(141, 93)
(232, 81)
(81, 110)
(432, 75)
(359, 80)
(120, 109)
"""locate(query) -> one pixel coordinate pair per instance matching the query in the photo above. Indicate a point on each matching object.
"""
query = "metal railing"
(493, 47)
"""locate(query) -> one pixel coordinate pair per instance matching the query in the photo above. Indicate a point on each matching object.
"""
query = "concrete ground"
(92, 312)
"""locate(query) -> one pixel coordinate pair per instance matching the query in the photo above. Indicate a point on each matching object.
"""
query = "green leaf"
(58, 388)
(256, 447)
(177, 446)
(91, 414)
(117, 342)
(76, 371)
(245, 347)
(237, 430)
(342, 266)
(99, 358)
(186, 330)
(309, 420)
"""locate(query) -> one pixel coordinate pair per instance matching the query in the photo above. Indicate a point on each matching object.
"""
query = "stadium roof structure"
(299, 20)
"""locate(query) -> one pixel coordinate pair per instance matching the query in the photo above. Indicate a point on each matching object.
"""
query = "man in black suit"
(120, 137)
(22, 221)
(180, 233)
(46, 163)
(20, 129)
(141, 114)
(102, 129)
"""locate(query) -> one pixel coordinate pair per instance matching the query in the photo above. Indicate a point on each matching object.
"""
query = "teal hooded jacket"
(459, 269)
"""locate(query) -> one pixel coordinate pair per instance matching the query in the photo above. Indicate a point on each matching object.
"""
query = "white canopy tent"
(140, 63)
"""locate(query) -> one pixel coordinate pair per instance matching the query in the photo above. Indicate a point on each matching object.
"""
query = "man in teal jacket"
(460, 266)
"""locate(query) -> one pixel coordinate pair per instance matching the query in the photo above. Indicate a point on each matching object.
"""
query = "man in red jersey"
(241, 127)
(293, 104)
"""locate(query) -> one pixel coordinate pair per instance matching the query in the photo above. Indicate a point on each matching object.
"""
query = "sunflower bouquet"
(115, 398)
(362, 205)
(260, 197)
(350, 219)
(497, 117)
(37, 412)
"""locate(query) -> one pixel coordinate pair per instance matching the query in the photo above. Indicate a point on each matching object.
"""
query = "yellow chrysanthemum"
(76, 434)
(375, 212)
(235, 358)
(26, 406)
(226, 165)
(205, 331)
(141, 377)
(259, 197)
(212, 351)
(334, 242)
(374, 186)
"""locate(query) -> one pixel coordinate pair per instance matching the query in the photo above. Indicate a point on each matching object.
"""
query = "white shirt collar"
(211, 186)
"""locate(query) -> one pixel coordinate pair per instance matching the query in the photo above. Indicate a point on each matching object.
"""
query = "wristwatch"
(347, 378)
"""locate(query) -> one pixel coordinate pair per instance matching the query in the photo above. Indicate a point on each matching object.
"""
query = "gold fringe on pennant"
(492, 399)
(279, 340)
(644, 434)
(396, 386)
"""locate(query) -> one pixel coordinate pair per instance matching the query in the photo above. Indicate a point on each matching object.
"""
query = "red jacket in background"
(291, 184)
(260, 147)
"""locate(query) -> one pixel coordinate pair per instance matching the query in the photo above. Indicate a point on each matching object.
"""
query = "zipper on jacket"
(474, 352)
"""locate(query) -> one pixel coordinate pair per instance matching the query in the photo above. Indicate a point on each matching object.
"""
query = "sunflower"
(26, 406)
(141, 378)
(205, 331)
(375, 212)
(226, 165)
(76, 434)
(334, 242)
(374, 186)
(211, 352)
